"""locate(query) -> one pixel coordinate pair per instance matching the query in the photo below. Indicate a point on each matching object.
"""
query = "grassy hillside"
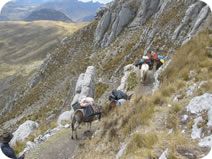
(23, 48)
(23, 43)
(150, 124)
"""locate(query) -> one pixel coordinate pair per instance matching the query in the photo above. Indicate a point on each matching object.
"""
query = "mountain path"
(59, 146)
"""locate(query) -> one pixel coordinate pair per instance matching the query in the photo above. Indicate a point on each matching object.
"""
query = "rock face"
(197, 106)
(117, 20)
(135, 13)
(85, 86)
(164, 155)
(127, 70)
(65, 116)
(24, 131)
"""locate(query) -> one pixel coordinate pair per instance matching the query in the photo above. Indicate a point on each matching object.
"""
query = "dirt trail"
(59, 146)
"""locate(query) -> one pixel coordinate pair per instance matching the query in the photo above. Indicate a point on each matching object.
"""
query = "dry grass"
(100, 89)
(139, 141)
(184, 60)
(132, 81)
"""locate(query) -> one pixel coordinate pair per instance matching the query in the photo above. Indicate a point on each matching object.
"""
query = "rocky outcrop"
(199, 106)
(164, 155)
(194, 16)
(127, 71)
(85, 86)
(24, 131)
(64, 117)
(135, 14)
(116, 20)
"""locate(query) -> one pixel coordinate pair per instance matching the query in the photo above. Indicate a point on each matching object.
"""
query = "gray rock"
(24, 131)
(85, 86)
(184, 119)
(149, 8)
(102, 26)
(196, 131)
(200, 103)
(78, 87)
(201, 17)
(127, 70)
(196, 106)
(164, 155)
(65, 116)
(121, 151)
(206, 141)
(190, 15)
(117, 20)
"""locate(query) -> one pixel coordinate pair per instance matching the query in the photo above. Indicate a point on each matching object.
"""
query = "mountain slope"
(23, 49)
(47, 14)
(74, 9)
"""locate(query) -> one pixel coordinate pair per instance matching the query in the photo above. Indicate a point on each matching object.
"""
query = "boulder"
(24, 131)
(127, 70)
(79, 83)
(85, 86)
(64, 117)
(196, 106)
(200, 103)
(164, 155)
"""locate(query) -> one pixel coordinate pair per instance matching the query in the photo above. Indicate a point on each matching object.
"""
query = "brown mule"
(79, 117)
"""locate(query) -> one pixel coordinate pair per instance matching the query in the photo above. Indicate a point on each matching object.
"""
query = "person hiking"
(6, 152)
(118, 94)
(144, 60)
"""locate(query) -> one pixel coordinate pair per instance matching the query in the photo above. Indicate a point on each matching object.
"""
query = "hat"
(5, 137)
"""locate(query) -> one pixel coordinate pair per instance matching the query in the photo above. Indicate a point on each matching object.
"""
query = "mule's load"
(86, 111)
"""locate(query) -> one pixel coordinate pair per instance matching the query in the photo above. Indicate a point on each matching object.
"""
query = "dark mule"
(79, 117)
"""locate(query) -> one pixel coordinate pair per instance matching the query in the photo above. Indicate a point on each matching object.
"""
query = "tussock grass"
(132, 81)
(100, 89)
(19, 147)
(139, 141)
(191, 56)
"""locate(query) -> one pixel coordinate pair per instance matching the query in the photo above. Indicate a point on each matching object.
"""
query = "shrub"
(132, 81)
(142, 141)
(100, 89)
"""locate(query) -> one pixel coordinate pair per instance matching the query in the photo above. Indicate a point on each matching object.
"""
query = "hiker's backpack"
(76, 106)
(2, 155)
(119, 94)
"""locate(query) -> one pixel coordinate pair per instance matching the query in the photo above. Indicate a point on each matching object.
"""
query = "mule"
(143, 72)
(79, 117)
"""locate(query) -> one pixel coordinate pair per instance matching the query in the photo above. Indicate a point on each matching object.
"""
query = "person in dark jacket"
(118, 94)
(6, 152)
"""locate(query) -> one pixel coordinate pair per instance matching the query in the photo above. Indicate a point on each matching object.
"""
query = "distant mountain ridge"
(74, 9)
(48, 14)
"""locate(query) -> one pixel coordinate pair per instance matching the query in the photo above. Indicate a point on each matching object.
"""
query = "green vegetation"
(19, 147)
(141, 141)
(100, 89)
(132, 81)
